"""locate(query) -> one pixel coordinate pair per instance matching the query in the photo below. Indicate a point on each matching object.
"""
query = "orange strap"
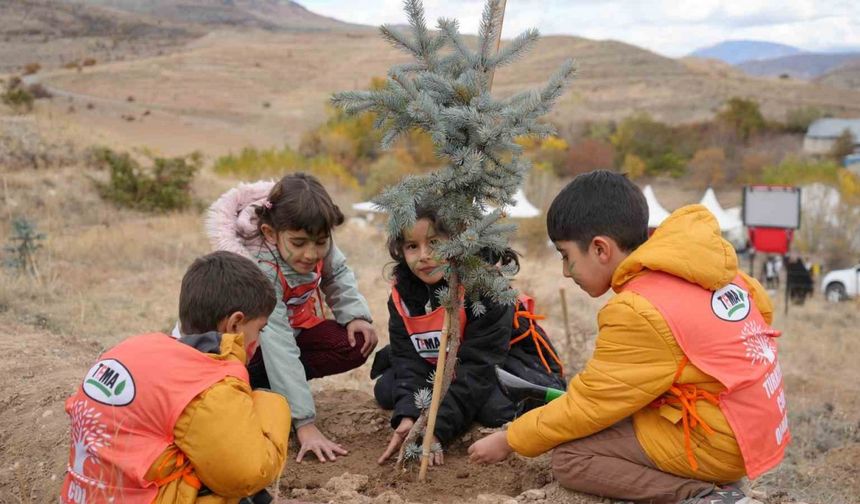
(536, 338)
(181, 470)
(687, 394)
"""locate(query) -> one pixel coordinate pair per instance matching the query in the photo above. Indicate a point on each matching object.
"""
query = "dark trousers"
(496, 410)
(325, 351)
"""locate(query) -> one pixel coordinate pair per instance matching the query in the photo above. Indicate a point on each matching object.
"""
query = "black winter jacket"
(484, 345)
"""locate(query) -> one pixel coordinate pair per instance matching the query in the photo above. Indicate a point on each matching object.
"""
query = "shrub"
(17, 97)
(24, 241)
(843, 146)
(588, 155)
(259, 163)
(633, 166)
(657, 144)
(39, 91)
(708, 167)
(798, 120)
(164, 186)
(801, 171)
(384, 172)
(31, 68)
(600, 130)
(753, 164)
(744, 116)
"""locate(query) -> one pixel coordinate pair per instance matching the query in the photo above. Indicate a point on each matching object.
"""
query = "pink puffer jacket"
(231, 221)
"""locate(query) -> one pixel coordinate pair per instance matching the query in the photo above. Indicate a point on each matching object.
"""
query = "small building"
(822, 134)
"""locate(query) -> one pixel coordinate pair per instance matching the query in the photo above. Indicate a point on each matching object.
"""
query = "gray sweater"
(278, 340)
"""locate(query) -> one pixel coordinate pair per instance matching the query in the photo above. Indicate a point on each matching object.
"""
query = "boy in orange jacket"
(683, 393)
(157, 420)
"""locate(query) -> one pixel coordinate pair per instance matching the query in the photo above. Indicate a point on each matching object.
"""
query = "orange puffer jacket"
(636, 358)
(212, 429)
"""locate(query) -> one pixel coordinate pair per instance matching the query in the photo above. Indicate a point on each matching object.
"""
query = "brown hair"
(299, 202)
(218, 285)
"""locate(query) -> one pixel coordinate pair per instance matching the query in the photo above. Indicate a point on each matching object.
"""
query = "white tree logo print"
(88, 435)
(756, 338)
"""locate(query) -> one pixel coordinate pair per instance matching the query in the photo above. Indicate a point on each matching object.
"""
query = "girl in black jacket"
(415, 322)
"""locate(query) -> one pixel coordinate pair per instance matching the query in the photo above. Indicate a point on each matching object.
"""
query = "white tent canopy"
(727, 221)
(368, 207)
(656, 213)
(521, 209)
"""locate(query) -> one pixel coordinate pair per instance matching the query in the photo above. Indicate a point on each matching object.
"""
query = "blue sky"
(669, 27)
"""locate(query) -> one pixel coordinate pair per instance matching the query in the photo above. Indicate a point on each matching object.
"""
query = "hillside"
(53, 34)
(846, 77)
(734, 52)
(229, 89)
(800, 66)
(265, 14)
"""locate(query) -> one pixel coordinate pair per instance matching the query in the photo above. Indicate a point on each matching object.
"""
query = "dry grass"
(295, 73)
(109, 273)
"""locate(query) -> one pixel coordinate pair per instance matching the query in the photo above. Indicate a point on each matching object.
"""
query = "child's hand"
(365, 328)
(490, 450)
(397, 439)
(312, 440)
(436, 457)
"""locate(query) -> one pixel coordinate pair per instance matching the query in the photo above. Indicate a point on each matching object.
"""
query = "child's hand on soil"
(366, 328)
(312, 440)
(436, 457)
(490, 450)
(397, 438)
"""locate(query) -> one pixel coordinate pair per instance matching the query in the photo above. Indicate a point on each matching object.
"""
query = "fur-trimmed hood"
(232, 218)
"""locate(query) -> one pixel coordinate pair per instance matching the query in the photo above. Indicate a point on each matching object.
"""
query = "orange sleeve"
(760, 297)
(229, 422)
(633, 364)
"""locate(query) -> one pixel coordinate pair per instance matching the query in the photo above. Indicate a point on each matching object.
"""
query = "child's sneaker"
(725, 495)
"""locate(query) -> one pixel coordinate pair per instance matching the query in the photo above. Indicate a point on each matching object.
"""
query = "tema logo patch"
(731, 303)
(109, 382)
(427, 343)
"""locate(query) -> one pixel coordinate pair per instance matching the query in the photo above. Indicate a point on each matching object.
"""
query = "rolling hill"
(221, 87)
(847, 76)
(734, 52)
(799, 66)
(265, 14)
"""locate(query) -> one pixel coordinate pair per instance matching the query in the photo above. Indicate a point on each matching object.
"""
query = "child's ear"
(269, 234)
(602, 247)
(232, 324)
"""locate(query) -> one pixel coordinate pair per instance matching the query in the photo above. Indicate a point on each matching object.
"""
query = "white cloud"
(671, 27)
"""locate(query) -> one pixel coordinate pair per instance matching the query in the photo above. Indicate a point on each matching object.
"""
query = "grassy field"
(107, 273)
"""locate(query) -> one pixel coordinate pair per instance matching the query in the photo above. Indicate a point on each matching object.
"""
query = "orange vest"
(300, 300)
(123, 414)
(425, 331)
(724, 334)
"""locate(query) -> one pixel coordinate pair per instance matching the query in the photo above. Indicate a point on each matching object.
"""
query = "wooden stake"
(563, 295)
(437, 398)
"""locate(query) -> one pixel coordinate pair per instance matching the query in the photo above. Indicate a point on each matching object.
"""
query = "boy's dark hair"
(599, 203)
(218, 285)
(300, 202)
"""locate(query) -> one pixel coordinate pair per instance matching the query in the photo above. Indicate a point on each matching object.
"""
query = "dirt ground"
(364, 429)
(107, 273)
